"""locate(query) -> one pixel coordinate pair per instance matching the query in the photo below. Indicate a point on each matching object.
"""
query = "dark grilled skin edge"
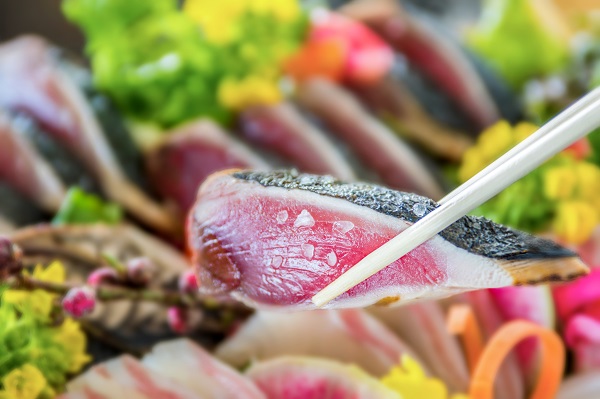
(115, 131)
(17, 209)
(70, 171)
(477, 235)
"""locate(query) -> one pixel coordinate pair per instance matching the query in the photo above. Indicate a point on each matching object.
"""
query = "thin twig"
(108, 293)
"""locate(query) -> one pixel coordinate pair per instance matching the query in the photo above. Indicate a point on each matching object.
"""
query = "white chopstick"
(571, 125)
(552, 124)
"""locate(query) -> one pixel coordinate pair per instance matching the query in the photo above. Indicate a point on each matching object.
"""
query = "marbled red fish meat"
(440, 59)
(34, 80)
(284, 130)
(24, 169)
(185, 157)
(274, 239)
(375, 144)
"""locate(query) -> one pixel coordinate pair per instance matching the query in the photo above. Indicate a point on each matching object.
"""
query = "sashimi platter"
(177, 192)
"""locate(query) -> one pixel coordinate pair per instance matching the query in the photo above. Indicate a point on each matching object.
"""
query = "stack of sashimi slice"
(181, 369)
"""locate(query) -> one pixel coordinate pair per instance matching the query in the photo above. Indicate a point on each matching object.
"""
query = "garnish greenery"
(80, 207)
(37, 350)
(165, 66)
(561, 195)
(519, 40)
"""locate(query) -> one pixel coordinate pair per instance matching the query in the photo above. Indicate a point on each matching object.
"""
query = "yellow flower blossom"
(219, 20)
(253, 90)
(588, 180)
(567, 187)
(410, 381)
(54, 273)
(37, 302)
(26, 382)
(73, 340)
(575, 221)
(491, 144)
(560, 182)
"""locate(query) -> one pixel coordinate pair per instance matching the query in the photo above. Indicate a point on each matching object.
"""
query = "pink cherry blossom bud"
(102, 275)
(79, 301)
(188, 282)
(177, 319)
(140, 270)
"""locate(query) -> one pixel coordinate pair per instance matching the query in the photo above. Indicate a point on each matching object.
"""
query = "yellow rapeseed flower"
(588, 181)
(54, 273)
(37, 302)
(219, 20)
(252, 90)
(575, 221)
(560, 182)
(410, 381)
(73, 340)
(26, 382)
(491, 144)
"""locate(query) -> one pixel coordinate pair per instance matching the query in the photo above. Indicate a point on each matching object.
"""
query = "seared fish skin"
(274, 239)
(474, 234)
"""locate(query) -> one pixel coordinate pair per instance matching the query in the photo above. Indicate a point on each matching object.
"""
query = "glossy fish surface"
(274, 239)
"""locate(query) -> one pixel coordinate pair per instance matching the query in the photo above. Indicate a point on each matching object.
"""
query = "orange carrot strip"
(463, 323)
(500, 345)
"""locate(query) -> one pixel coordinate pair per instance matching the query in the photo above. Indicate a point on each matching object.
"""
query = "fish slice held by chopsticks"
(274, 239)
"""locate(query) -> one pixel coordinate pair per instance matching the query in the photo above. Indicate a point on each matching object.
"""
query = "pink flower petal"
(583, 335)
(569, 298)
(369, 58)
(582, 329)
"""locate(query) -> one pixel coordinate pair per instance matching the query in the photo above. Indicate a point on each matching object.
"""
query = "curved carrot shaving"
(500, 345)
(463, 323)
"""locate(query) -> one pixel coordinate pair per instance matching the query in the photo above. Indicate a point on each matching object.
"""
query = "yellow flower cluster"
(252, 90)
(491, 144)
(74, 342)
(575, 186)
(37, 302)
(67, 339)
(26, 382)
(218, 18)
(410, 381)
(568, 186)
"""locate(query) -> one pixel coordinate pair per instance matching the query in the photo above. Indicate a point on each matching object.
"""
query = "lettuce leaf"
(80, 207)
(518, 40)
(150, 59)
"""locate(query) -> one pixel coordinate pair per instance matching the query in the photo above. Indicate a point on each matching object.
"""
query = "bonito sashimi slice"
(191, 366)
(374, 143)
(25, 170)
(308, 378)
(274, 239)
(187, 155)
(132, 377)
(283, 129)
(34, 80)
(348, 335)
(423, 326)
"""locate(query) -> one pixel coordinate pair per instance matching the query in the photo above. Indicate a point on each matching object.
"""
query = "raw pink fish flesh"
(189, 154)
(283, 129)
(274, 239)
(350, 336)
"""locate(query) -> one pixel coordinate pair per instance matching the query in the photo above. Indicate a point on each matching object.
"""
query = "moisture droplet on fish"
(331, 258)
(419, 209)
(276, 261)
(342, 227)
(308, 251)
(282, 216)
(304, 219)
